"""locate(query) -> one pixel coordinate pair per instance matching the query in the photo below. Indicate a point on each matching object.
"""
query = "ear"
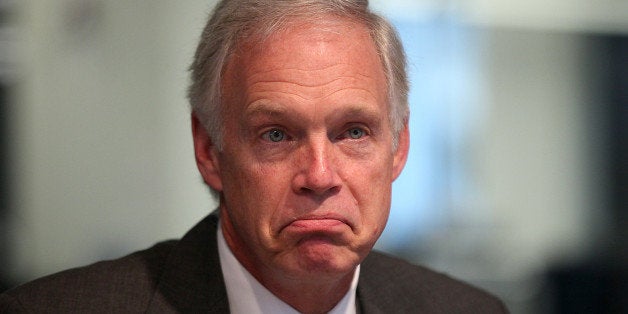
(401, 154)
(206, 156)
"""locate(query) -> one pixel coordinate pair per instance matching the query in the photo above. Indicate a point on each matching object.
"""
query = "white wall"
(103, 148)
(535, 151)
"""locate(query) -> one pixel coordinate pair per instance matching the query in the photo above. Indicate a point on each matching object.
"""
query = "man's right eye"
(274, 135)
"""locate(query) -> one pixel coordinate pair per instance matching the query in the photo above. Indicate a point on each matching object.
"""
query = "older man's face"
(307, 160)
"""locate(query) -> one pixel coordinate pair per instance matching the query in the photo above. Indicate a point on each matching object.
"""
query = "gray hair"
(233, 22)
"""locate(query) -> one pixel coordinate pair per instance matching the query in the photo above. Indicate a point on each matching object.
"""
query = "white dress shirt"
(247, 296)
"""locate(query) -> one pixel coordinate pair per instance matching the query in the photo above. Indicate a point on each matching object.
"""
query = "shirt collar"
(247, 295)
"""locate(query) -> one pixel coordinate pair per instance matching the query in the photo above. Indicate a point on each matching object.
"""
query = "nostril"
(332, 190)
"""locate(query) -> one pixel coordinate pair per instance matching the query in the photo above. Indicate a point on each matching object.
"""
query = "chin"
(320, 258)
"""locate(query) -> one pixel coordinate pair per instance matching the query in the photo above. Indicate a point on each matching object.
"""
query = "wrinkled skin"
(307, 162)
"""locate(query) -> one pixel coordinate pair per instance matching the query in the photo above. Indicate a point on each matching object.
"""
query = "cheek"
(253, 190)
(370, 184)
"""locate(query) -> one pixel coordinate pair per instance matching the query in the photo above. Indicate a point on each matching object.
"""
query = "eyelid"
(351, 126)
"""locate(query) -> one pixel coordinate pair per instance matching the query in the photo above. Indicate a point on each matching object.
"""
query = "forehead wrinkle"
(339, 90)
(281, 67)
(280, 75)
(303, 84)
(272, 91)
(328, 87)
(328, 94)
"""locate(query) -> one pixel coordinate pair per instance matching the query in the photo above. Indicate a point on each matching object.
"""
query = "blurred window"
(436, 185)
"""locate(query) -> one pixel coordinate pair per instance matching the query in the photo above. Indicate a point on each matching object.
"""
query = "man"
(300, 126)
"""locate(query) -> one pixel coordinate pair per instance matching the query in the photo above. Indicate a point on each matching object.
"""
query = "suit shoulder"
(118, 285)
(399, 285)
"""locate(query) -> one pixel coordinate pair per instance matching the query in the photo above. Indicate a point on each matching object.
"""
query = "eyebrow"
(265, 108)
(261, 109)
(359, 112)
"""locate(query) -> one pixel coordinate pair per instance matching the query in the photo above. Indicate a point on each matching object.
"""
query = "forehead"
(316, 36)
(308, 46)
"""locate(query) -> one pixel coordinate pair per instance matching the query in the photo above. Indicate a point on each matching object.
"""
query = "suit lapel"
(375, 292)
(192, 278)
(367, 297)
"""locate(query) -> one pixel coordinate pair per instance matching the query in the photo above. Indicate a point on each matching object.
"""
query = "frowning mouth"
(324, 224)
(316, 223)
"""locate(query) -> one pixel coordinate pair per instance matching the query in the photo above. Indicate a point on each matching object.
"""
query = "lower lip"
(317, 225)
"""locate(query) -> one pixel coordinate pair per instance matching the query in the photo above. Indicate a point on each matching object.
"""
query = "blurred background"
(517, 178)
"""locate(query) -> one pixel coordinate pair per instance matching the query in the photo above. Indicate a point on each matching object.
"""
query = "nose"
(317, 173)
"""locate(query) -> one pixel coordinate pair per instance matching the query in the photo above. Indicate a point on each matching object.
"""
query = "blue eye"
(274, 135)
(355, 133)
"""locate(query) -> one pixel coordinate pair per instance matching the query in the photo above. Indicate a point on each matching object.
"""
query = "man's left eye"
(274, 135)
(355, 133)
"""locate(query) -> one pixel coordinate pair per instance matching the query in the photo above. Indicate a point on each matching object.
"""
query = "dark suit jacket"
(185, 277)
